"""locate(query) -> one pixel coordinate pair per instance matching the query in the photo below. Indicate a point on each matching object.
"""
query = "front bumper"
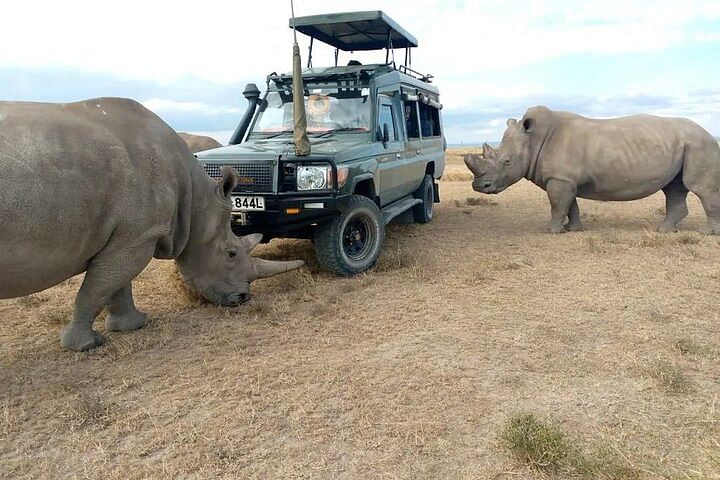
(279, 219)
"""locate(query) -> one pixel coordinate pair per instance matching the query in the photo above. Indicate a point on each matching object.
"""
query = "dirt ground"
(409, 371)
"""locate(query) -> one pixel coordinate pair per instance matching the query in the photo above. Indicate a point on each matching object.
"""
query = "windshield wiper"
(276, 134)
(344, 129)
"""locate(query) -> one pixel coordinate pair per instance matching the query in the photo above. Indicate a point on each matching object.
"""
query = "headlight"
(313, 178)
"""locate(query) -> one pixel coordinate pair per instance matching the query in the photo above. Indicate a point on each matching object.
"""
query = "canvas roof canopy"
(355, 31)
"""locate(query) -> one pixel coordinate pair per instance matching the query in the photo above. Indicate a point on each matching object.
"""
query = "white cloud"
(475, 49)
(229, 41)
(163, 105)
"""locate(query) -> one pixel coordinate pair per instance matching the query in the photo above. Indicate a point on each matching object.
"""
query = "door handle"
(418, 151)
(397, 155)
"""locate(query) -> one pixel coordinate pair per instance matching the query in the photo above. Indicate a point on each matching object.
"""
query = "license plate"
(242, 203)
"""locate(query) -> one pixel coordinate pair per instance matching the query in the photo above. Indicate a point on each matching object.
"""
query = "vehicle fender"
(360, 178)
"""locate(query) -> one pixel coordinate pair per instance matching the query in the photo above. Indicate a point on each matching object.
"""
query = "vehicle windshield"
(328, 109)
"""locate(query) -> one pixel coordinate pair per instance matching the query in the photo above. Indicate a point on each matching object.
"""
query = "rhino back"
(618, 159)
(75, 176)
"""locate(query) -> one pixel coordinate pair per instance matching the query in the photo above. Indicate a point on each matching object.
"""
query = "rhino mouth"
(233, 299)
(484, 186)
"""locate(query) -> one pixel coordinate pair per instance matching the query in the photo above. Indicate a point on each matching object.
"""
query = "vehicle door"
(432, 145)
(413, 169)
(390, 160)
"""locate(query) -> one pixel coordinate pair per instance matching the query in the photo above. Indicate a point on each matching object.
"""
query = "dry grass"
(408, 371)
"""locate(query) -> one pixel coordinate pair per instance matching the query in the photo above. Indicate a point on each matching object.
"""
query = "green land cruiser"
(377, 147)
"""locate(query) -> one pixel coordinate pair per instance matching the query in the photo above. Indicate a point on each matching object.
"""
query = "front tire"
(423, 212)
(351, 242)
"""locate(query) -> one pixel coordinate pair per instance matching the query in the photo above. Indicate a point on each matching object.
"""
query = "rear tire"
(423, 212)
(351, 242)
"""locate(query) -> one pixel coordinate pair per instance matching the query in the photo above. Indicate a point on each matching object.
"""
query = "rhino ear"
(528, 124)
(511, 122)
(227, 184)
(248, 242)
(488, 151)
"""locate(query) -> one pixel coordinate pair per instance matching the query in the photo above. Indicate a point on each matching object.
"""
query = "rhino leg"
(711, 203)
(108, 272)
(675, 205)
(561, 195)
(574, 224)
(123, 316)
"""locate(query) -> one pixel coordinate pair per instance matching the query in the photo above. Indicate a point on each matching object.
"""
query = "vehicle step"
(399, 207)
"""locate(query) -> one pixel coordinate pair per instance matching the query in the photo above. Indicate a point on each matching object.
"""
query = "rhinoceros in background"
(199, 143)
(102, 186)
(626, 158)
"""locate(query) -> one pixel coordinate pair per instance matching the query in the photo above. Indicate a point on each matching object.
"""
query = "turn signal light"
(292, 211)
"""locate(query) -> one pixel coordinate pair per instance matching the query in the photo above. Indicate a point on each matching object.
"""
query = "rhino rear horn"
(267, 268)
(488, 151)
(251, 241)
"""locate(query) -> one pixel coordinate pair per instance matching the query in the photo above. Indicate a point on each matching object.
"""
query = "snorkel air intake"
(252, 94)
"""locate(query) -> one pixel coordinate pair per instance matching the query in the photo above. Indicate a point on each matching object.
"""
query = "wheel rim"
(358, 237)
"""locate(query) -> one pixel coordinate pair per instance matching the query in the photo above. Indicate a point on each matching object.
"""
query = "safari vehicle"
(377, 147)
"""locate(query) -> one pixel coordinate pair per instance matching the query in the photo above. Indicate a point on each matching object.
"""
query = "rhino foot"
(665, 228)
(125, 323)
(80, 338)
(556, 229)
(573, 227)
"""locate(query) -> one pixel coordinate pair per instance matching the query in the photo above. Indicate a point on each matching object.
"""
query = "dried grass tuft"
(657, 240)
(669, 377)
(480, 201)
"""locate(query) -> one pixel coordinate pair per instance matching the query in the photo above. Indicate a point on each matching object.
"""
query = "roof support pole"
(309, 65)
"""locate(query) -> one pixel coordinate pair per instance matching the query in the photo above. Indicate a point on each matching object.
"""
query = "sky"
(189, 61)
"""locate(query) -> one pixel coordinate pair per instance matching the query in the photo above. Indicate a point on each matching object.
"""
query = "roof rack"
(357, 31)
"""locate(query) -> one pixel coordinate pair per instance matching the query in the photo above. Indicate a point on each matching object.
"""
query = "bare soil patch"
(413, 370)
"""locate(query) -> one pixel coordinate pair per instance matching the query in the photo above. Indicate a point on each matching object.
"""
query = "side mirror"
(385, 135)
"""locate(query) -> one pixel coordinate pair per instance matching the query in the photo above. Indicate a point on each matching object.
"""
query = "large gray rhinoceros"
(103, 186)
(627, 158)
(199, 143)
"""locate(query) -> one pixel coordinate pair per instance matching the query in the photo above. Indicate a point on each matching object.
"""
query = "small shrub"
(537, 443)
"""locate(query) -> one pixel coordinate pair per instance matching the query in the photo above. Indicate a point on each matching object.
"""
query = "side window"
(429, 121)
(386, 116)
(411, 119)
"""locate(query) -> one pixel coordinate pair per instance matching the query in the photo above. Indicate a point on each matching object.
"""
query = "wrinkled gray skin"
(199, 143)
(618, 159)
(102, 186)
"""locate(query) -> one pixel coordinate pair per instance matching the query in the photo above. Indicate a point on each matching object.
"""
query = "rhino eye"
(507, 161)
(231, 254)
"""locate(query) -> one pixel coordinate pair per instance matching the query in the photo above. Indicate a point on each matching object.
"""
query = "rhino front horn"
(268, 268)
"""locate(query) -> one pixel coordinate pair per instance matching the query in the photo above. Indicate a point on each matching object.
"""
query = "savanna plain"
(480, 347)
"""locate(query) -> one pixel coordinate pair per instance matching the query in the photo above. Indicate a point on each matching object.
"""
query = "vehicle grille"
(254, 176)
